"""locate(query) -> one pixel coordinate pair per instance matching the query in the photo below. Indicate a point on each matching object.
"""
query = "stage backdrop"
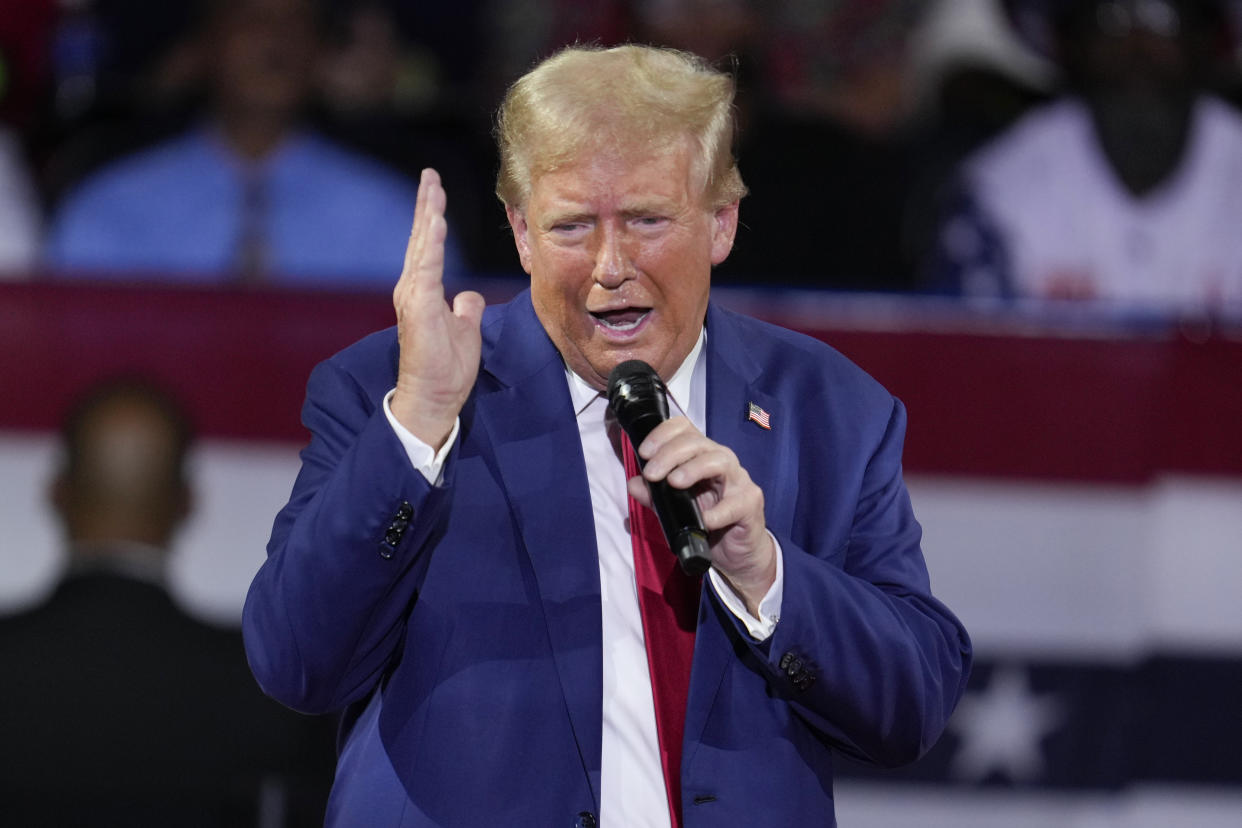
(1079, 481)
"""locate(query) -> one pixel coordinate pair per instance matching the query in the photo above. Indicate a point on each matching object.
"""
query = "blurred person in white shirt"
(1126, 190)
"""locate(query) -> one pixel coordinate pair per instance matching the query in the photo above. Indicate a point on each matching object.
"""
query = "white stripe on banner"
(1096, 572)
(862, 805)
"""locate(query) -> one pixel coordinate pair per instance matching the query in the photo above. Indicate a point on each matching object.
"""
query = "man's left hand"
(732, 505)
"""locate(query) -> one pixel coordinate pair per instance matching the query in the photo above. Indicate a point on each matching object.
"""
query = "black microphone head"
(630, 371)
(636, 394)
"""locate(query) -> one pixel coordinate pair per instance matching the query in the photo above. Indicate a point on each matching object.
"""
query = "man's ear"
(724, 228)
(521, 237)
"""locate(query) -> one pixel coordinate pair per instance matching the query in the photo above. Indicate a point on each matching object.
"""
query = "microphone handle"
(679, 517)
(682, 523)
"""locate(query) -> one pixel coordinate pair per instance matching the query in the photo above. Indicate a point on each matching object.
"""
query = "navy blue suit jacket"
(472, 608)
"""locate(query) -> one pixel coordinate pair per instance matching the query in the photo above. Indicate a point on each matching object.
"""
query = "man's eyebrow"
(661, 207)
(566, 216)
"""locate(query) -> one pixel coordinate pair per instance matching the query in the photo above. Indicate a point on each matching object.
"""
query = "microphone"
(638, 398)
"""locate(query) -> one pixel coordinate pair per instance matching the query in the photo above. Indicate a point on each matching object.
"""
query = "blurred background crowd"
(886, 143)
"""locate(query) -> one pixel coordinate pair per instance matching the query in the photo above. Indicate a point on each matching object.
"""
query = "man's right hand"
(439, 345)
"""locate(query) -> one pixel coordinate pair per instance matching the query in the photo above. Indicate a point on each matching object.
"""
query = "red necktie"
(669, 602)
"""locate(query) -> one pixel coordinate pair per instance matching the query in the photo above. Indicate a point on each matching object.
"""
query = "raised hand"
(439, 345)
(731, 503)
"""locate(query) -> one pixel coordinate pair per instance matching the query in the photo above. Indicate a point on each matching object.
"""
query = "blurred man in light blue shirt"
(246, 196)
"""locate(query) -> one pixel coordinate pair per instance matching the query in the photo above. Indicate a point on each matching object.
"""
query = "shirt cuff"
(422, 457)
(760, 628)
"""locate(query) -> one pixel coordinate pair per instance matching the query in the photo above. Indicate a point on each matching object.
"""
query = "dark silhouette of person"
(120, 708)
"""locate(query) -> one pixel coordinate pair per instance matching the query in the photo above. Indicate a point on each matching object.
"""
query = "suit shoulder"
(372, 347)
(371, 363)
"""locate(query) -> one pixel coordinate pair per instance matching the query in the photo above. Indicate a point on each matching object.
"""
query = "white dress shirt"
(632, 781)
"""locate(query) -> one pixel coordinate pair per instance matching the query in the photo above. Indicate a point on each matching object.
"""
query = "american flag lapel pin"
(758, 416)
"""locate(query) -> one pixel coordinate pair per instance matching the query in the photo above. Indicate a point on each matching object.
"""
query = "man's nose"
(613, 264)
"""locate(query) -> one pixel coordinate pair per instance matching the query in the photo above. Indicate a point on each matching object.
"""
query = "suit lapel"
(529, 422)
(734, 381)
(733, 378)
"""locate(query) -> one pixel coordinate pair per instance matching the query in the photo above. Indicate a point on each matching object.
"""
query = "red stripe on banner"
(1117, 410)
(237, 359)
(1114, 407)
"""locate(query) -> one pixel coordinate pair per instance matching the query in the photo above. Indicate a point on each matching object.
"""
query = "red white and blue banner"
(1079, 482)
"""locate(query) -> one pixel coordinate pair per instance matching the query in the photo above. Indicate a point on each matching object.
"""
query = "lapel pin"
(758, 416)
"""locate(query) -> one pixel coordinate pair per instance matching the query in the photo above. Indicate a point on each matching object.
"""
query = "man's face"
(1136, 49)
(263, 55)
(619, 247)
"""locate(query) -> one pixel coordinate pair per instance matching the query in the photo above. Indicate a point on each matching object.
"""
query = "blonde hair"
(589, 98)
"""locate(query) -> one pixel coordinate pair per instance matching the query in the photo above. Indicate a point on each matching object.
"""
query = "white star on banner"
(1000, 729)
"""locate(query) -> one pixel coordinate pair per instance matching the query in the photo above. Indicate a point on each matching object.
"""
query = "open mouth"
(623, 320)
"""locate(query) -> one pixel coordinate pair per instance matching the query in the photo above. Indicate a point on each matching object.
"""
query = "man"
(1125, 191)
(120, 708)
(455, 565)
(248, 195)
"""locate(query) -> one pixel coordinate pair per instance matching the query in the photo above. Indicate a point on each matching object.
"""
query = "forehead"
(630, 174)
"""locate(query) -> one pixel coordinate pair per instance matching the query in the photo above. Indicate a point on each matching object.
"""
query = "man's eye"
(568, 227)
(650, 221)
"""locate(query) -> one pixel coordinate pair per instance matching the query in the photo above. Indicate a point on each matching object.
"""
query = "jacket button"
(393, 537)
(786, 659)
(585, 819)
(406, 511)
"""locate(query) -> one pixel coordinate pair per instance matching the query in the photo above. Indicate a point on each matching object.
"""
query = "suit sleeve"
(863, 652)
(325, 614)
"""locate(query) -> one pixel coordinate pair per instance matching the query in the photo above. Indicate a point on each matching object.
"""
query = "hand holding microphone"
(697, 486)
(637, 397)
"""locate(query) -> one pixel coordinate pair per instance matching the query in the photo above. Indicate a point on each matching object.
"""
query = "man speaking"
(469, 565)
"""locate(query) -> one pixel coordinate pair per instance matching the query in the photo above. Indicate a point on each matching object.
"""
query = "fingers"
(743, 507)
(424, 253)
(678, 452)
(731, 504)
(637, 488)
(469, 305)
(716, 513)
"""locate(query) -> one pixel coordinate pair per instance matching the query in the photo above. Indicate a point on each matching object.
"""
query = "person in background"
(1125, 192)
(971, 77)
(387, 92)
(467, 564)
(119, 708)
(248, 195)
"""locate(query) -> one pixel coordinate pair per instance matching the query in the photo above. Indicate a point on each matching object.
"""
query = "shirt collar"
(679, 387)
